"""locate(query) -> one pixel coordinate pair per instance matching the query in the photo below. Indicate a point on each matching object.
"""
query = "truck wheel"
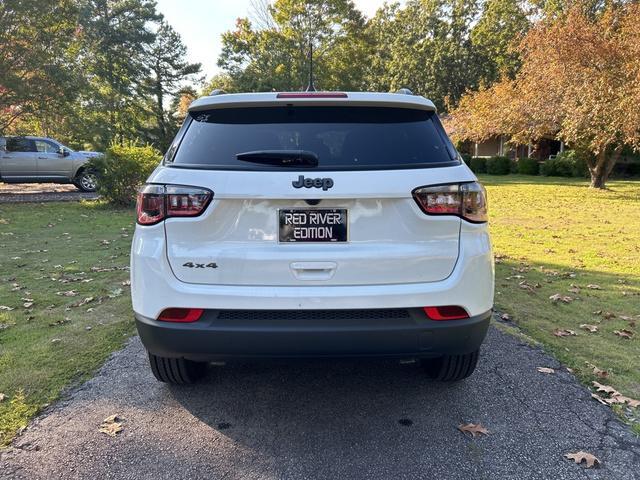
(176, 370)
(86, 181)
(450, 368)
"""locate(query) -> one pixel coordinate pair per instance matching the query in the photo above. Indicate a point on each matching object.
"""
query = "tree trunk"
(603, 167)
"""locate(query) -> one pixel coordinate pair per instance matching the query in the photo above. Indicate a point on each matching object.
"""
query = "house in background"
(499, 146)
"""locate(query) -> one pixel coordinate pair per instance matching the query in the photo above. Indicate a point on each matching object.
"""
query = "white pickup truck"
(44, 160)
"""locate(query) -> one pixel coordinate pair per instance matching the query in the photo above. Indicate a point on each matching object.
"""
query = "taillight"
(157, 202)
(447, 312)
(466, 200)
(181, 315)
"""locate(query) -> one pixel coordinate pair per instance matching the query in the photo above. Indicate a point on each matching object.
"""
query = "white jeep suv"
(308, 225)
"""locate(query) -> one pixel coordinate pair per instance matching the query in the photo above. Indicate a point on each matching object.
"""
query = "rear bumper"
(216, 337)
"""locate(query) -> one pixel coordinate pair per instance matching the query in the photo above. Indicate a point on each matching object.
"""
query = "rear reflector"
(447, 312)
(183, 315)
(312, 95)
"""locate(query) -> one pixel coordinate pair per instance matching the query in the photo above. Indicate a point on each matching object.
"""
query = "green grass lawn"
(558, 237)
(555, 235)
(63, 272)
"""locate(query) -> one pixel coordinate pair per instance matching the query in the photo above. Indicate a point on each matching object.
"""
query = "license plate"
(313, 225)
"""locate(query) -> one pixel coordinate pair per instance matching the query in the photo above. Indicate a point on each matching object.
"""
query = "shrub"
(478, 165)
(466, 158)
(122, 170)
(498, 165)
(528, 166)
(566, 164)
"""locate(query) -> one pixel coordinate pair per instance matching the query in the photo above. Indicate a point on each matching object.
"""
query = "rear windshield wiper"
(282, 158)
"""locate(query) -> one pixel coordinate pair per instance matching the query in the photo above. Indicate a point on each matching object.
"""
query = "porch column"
(561, 146)
(475, 150)
(529, 150)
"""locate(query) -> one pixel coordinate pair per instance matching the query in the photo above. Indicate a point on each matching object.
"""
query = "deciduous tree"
(579, 82)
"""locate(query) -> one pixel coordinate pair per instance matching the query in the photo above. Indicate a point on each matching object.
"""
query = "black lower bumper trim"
(228, 334)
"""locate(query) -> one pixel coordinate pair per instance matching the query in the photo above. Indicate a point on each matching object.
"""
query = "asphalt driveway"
(333, 420)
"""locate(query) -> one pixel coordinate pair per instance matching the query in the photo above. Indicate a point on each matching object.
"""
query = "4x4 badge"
(200, 265)
(324, 183)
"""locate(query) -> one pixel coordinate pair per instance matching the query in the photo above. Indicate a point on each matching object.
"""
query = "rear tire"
(178, 371)
(451, 368)
(86, 181)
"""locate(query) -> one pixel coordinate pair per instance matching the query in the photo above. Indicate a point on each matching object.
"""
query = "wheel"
(86, 181)
(176, 370)
(450, 368)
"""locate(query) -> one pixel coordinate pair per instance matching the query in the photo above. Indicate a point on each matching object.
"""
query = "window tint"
(20, 145)
(341, 137)
(45, 146)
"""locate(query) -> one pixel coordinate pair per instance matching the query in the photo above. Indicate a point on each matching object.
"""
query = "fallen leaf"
(600, 373)
(632, 402)
(2, 397)
(69, 293)
(560, 298)
(605, 388)
(5, 308)
(624, 333)
(581, 456)
(593, 286)
(27, 304)
(588, 327)
(82, 302)
(564, 333)
(609, 315)
(111, 425)
(545, 370)
(473, 429)
(126, 283)
(505, 317)
(599, 399)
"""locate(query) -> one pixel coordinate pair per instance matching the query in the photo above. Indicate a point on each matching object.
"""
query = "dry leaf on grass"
(111, 425)
(2, 397)
(560, 298)
(599, 399)
(581, 456)
(593, 286)
(616, 397)
(5, 308)
(605, 388)
(474, 429)
(589, 327)
(68, 293)
(563, 332)
(545, 370)
(624, 333)
(600, 373)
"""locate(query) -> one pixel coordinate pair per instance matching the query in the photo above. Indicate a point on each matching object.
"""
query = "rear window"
(343, 138)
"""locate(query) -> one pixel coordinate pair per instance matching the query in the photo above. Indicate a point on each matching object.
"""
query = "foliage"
(566, 164)
(274, 55)
(498, 165)
(528, 166)
(165, 59)
(502, 23)
(123, 169)
(478, 165)
(578, 83)
(88, 72)
(55, 342)
(38, 76)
